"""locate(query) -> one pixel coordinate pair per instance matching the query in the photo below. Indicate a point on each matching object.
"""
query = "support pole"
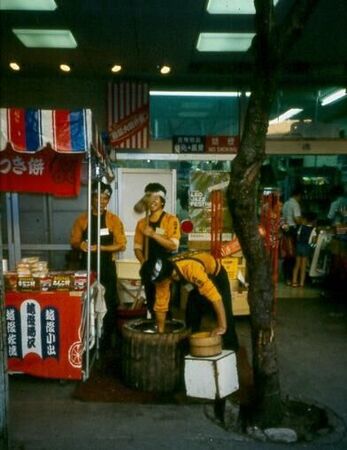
(89, 235)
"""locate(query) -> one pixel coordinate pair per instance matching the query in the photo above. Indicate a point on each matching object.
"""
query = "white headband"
(160, 193)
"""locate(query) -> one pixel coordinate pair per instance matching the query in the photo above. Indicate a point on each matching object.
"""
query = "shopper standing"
(305, 239)
(291, 218)
(338, 208)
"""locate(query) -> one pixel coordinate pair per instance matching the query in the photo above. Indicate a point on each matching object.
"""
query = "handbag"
(287, 249)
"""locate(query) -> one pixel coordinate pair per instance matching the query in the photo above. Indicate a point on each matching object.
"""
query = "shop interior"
(39, 225)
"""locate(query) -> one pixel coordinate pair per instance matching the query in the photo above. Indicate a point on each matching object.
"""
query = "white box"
(211, 377)
(128, 269)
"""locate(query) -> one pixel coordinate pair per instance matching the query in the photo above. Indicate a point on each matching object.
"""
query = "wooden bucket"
(203, 344)
(153, 362)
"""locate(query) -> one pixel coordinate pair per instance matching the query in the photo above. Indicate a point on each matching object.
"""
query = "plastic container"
(203, 344)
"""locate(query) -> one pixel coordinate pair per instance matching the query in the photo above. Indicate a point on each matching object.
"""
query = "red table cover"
(43, 333)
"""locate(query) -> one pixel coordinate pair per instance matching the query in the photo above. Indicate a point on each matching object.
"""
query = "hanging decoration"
(269, 229)
(42, 150)
(128, 115)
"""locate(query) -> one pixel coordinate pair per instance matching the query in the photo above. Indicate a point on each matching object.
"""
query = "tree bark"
(270, 46)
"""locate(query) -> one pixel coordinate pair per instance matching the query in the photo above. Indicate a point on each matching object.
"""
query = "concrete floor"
(312, 349)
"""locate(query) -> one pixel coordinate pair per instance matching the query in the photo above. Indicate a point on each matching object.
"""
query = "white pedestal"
(211, 377)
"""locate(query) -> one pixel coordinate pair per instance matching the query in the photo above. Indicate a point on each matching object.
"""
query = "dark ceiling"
(141, 35)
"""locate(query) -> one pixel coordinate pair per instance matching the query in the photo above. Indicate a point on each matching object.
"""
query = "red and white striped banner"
(128, 114)
(30, 130)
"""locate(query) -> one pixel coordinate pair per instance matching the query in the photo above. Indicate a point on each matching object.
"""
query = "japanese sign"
(188, 144)
(31, 330)
(45, 171)
(208, 144)
(43, 334)
(222, 144)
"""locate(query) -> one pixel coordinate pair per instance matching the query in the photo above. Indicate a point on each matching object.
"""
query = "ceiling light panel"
(28, 5)
(224, 42)
(333, 97)
(232, 6)
(197, 93)
(286, 115)
(46, 38)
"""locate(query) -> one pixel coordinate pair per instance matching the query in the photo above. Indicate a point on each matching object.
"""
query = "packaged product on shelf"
(45, 283)
(62, 281)
(27, 283)
(79, 280)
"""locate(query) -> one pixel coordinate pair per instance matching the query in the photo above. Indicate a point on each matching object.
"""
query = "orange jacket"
(194, 268)
(113, 223)
(169, 227)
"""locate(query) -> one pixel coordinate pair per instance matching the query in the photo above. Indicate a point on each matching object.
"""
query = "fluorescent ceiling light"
(197, 93)
(337, 95)
(290, 113)
(28, 5)
(46, 38)
(224, 42)
(232, 6)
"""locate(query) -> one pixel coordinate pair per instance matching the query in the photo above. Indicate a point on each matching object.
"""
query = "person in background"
(156, 236)
(210, 292)
(338, 208)
(112, 240)
(306, 238)
(291, 219)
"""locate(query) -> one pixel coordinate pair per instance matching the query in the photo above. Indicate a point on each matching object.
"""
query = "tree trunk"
(271, 44)
(242, 203)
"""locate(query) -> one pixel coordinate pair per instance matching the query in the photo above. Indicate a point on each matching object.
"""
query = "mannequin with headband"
(159, 229)
(112, 240)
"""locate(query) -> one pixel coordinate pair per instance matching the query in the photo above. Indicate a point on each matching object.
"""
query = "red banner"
(45, 171)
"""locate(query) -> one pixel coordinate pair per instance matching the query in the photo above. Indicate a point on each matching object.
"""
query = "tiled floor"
(308, 291)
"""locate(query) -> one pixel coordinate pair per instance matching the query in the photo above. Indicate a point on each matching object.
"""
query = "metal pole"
(10, 236)
(98, 256)
(89, 235)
